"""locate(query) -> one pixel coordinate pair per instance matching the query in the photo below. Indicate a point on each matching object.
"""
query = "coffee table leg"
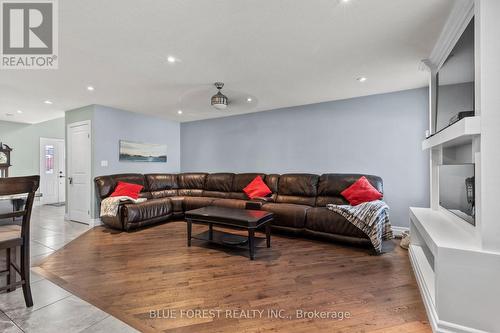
(210, 231)
(189, 227)
(268, 235)
(251, 243)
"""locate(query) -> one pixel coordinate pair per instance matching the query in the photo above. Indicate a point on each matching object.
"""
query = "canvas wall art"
(142, 152)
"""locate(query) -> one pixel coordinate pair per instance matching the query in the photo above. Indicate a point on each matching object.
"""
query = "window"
(49, 159)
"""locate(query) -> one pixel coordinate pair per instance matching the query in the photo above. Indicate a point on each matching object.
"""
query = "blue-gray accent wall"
(378, 134)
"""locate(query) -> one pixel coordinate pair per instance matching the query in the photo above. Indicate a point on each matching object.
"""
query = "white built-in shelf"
(441, 229)
(459, 133)
(453, 272)
(424, 271)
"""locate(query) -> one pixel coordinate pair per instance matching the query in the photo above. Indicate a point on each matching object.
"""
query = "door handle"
(70, 180)
(61, 176)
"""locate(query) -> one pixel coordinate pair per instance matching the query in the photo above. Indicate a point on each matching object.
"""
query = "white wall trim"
(398, 231)
(96, 222)
(459, 18)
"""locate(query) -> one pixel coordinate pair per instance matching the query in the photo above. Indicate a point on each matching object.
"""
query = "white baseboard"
(96, 222)
(91, 222)
(398, 231)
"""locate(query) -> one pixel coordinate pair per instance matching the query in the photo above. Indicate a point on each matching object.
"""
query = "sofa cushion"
(123, 189)
(164, 193)
(287, 215)
(106, 184)
(191, 184)
(177, 204)
(361, 191)
(272, 181)
(257, 188)
(197, 202)
(161, 181)
(230, 203)
(298, 189)
(146, 210)
(191, 180)
(241, 180)
(324, 220)
(332, 184)
(188, 192)
(218, 185)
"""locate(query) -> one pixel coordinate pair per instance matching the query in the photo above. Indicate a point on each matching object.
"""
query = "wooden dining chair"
(13, 235)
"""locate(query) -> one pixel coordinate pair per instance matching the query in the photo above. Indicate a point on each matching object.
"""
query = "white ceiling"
(280, 52)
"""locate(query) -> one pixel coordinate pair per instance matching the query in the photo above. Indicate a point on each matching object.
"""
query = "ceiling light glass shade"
(219, 100)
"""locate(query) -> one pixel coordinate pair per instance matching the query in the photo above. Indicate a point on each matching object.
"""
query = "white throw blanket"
(109, 206)
(371, 217)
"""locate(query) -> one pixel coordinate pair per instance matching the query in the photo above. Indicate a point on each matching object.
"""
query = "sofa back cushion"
(162, 184)
(271, 181)
(297, 188)
(191, 184)
(332, 184)
(105, 185)
(239, 182)
(218, 185)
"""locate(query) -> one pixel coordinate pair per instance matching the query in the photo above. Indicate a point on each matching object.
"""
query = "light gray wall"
(112, 125)
(25, 140)
(379, 134)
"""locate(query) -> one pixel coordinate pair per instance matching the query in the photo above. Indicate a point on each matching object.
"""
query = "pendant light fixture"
(219, 100)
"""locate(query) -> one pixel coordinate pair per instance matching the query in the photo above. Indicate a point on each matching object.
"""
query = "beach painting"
(142, 152)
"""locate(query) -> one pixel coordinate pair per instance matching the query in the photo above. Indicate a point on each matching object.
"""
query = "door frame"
(41, 163)
(89, 219)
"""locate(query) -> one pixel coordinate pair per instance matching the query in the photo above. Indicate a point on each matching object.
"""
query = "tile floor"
(54, 309)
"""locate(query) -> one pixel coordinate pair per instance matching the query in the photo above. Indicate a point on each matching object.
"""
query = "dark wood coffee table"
(234, 218)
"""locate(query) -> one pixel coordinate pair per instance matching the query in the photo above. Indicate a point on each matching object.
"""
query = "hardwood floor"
(131, 274)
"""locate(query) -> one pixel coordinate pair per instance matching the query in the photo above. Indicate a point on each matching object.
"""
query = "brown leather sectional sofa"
(298, 200)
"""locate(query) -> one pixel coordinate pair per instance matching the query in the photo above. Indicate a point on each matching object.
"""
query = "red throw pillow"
(127, 189)
(361, 191)
(257, 188)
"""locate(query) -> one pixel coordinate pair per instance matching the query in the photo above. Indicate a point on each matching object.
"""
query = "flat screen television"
(457, 190)
(455, 82)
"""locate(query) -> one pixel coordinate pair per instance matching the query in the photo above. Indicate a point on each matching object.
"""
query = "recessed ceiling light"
(346, 1)
(19, 111)
(48, 102)
(249, 99)
(179, 111)
(362, 79)
(171, 59)
(90, 88)
(8, 114)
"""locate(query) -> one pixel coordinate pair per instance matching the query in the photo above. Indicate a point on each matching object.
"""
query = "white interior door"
(61, 173)
(79, 173)
(52, 171)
